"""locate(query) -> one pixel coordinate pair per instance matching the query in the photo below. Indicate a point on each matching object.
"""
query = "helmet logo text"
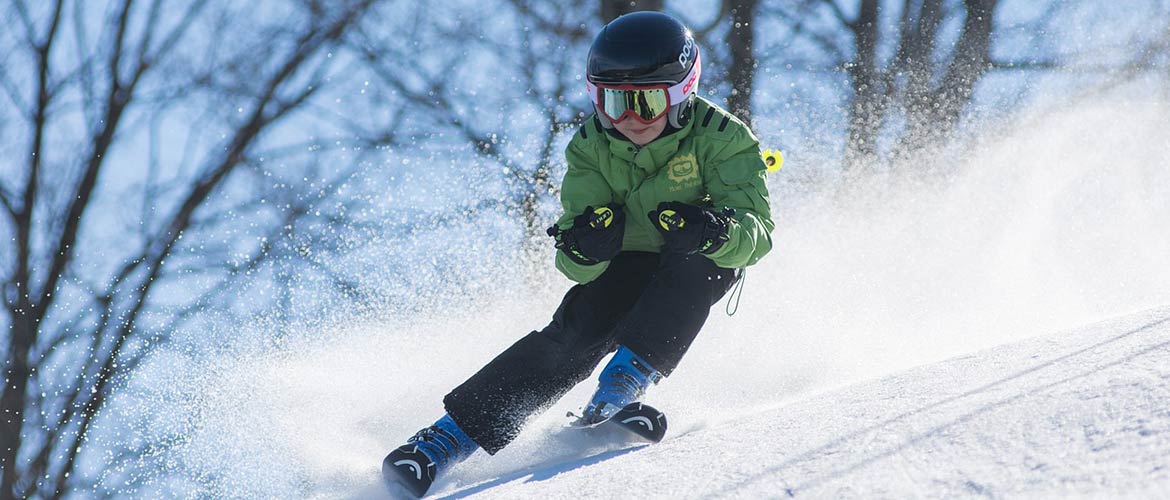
(688, 50)
(690, 82)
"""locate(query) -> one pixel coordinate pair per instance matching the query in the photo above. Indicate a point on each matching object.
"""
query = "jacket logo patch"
(683, 170)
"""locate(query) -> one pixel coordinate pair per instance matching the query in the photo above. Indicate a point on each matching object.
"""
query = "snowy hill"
(1081, 413)
(808, 390)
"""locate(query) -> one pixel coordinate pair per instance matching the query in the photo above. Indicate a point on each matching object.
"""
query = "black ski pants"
(652, 304)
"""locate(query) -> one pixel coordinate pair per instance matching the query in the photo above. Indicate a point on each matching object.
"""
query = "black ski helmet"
(646, 48)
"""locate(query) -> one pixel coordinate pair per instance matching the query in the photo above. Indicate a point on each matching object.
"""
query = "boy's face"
(640, 133)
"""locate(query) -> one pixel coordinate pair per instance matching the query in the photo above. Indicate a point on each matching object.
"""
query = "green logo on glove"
(601, 218)
(670, 220)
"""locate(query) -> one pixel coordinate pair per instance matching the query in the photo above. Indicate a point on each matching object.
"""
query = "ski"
(637, 419)
(407, 469)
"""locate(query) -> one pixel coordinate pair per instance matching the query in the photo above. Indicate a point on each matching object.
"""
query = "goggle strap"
(677, 93)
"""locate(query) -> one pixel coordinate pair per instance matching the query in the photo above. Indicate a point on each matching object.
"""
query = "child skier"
(665, 204)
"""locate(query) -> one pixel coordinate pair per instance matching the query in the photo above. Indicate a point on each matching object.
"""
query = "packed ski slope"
(1080, 413)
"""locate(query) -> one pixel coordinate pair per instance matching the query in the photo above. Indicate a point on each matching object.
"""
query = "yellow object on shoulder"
(773, 159)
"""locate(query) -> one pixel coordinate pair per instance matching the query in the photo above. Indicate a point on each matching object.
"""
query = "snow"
(941, 341)
(1082, 413)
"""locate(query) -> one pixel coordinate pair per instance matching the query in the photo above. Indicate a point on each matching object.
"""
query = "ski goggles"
(645, 103)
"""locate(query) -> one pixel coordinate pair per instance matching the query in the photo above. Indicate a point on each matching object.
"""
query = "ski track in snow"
(1083, 413)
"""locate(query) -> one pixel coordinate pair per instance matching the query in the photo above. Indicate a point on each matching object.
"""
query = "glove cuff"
(574, 254)
(566, 243)
(716, 230)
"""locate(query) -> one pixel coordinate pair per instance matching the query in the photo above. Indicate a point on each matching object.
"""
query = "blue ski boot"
(623, 381)
(427, 455)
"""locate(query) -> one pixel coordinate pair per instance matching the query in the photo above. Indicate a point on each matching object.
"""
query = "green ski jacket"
(715, 159)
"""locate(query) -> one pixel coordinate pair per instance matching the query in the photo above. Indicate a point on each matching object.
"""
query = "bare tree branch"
(260, 117)
(110, 325)
(23, 317)
(437, 103)
(86, 68)
(11, 90)
(117, 99)
(6, 203)
(837, 11)
(30, 31)
(799, 22)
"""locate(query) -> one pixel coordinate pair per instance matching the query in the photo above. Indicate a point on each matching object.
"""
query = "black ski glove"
(688, 229)
(596, 235)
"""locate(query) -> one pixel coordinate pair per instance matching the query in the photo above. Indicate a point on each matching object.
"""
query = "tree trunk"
(915, 60)
(930, 96)
(867, 109)
(932, 112)
(742, 70)
(16, 376)
(972, 61)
